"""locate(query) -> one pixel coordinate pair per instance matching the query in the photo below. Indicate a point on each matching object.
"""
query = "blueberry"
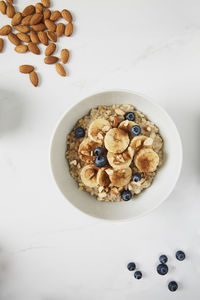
(172, 286)
(135, 130)
(130, 116)
(79, 132)
(98, 151)
(163, 259)
(162, 269)
(100, 161)
(136, 177)
(126, 195)
(131, 266)
(180, 255)
(138, 275)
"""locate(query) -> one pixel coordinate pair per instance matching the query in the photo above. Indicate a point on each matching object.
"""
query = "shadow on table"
(187, 120)
(11, 111)
(4, 268)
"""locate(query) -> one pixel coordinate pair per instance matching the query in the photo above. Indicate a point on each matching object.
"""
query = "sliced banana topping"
(89, 175)
(138, 142)
(86, 150)
(116, 140)
(102, 177)
(146, 160)
(98, 129)
(126, 125)
(121, 160)
(119, 177)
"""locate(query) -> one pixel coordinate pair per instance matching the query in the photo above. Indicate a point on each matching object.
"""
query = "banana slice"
(98, 129)
(119, 177)
(126, 125)
(121, 160)
(86, 150)
(138, 142)
(116, 140)
(147, 160)
(102, 177)
(89, 175)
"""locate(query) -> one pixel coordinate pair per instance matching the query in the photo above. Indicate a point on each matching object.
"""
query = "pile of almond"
(36, 25)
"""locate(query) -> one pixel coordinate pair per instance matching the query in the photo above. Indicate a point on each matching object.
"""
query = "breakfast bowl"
(150, 198)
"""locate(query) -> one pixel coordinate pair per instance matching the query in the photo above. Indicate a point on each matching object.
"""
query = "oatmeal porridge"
(114, 152)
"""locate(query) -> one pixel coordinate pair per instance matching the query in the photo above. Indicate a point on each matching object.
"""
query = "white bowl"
(150, 198)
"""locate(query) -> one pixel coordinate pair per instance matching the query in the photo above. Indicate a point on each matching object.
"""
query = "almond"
(50, 25)
(21, 48)
(52, 36)
(64, 55)
(16, 20)
(66, 15)
(34, 78)
(3, 7)
(46, 3)
(24, 37)
(43, 38)
(60, 69)
(26, 20)
(55, 16)
(10, 1)
(29, 10)
(34, 48)
(60, 29)
(39, 27)
(68, 29)
(39, 8)
(10, 11)
(22, 28)
(25, 69)
(36, 19)
(5, 30)
(34, 37)
(50, 49)
(1, 44)
(49, 60)
(47, 14)
(14, 39)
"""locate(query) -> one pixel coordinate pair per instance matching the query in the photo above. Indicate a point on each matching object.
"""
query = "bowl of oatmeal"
(112, 153)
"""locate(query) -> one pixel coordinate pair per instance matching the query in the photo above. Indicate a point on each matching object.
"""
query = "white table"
(51, 251)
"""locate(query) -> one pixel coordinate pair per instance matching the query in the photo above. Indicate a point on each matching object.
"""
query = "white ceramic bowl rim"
(178, 160)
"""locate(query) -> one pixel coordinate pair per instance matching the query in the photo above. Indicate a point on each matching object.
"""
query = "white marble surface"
(51, 251)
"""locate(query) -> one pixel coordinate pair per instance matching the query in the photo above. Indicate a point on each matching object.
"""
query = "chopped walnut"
(148, 142)
(101, 189)
(119, 112)
(102, 195)
(114, 191)
(73, 162)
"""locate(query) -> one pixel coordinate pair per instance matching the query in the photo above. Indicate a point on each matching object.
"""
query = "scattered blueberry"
(126, 195)
(138, 275)
(136, 177)
(172, 286)
(162, 269)
(98, 151)
(131, 266)
(180, 255)
(79, 132)
(130, 116)
(100, 161)
(135, 130)
(163, 259)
